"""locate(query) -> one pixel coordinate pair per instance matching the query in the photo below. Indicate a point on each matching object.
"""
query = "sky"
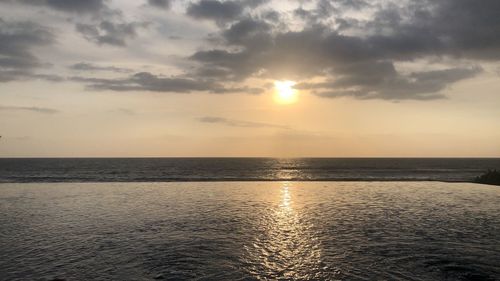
(249, 78)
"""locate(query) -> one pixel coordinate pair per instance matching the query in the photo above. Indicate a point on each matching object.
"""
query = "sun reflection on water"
(286, 247)
(286, 201)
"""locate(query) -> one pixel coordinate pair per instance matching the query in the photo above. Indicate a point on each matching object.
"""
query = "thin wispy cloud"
(43, 110)
(239, 123)
(109, 32)
(146, 81)
(84, 66)
(124, 111)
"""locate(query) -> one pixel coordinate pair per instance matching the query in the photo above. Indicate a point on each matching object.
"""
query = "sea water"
(279, 230)
(241, 169)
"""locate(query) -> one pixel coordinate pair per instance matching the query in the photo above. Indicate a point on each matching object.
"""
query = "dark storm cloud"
(356, 56)
(47, 77)
(106, 26)
(248, 32)
(83, 66)
(43, 110)
(459, 28)
(17, 41)
(393, 86)
(220, 11)
(286, 55)
(325, 9)
(108, 32)
(215, 10)
(213, 73)
(75, 6)
(145, 81)
(162, 4)
(468, 28)
(382, 81)
(72, 6)
(363, 66)
(253, 3)
(239, 123)
(233, 65)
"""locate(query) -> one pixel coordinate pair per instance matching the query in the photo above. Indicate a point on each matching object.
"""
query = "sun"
(285, 93)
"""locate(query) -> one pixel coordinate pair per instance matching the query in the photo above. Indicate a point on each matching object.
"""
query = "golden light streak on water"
(287, 247)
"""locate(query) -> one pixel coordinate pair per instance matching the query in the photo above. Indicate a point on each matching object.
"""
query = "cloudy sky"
(201, 78)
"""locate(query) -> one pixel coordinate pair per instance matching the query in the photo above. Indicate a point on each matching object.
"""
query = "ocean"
(242, 169)
(250, 231)
(248, 219)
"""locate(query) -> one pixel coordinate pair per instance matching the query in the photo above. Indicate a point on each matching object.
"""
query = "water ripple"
(250, 231)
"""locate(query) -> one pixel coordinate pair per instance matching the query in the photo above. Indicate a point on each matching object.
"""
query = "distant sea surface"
(242, 169)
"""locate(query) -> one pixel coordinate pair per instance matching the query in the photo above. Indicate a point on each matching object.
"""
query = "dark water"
(250, 231)
(241, 169)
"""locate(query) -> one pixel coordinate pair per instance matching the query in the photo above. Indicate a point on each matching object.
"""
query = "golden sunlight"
(285, 93)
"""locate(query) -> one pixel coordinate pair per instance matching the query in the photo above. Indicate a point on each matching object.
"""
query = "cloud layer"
(358, 58)
(71, 6)
(347, 48)
(18, 39)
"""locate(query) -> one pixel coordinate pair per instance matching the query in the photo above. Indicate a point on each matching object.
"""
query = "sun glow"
(285, 93)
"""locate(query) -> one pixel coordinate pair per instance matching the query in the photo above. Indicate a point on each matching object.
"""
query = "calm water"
(250, 231)
(241, 169)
